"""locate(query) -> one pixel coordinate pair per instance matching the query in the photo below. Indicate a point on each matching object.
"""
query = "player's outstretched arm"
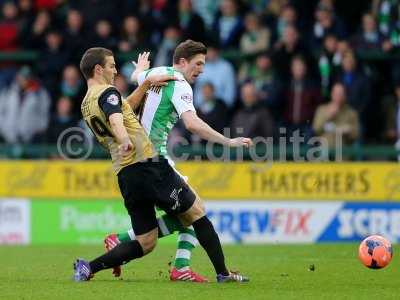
(137, 96)
(142, 64)
(197, 126)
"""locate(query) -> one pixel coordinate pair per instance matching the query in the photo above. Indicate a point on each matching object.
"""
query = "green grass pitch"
(276, 272)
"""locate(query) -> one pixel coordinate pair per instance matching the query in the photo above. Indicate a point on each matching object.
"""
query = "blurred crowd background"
(273, 66)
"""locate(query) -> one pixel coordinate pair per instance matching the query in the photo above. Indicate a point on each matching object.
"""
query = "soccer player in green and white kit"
(162, 109)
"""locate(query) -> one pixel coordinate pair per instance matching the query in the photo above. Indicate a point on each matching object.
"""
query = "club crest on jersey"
(187, 98)
(113, 99)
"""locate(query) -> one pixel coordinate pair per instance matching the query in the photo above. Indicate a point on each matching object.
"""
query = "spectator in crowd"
(287, 17)
(275, 6)
(131, 36)
(35, 37)
(272, 12)
(228, 25)
(357, 84)
(47, 4)
(167, 47)
(286, 48)
(336, 120)
(213, 110)
(207, 9)
(52, 61)
(190, 23)
(73, 87)
(256, 37)
(327, 5)
(7, 75)
(388, 16)
(61, 120)
(391, 112)
(253, 120)
(343, 47)
(75, 36)
(24, 109)
(10, 24)
(9, 27)
(369, 38)
(221, 73)
(95, 10)
(301, 98)
(153, 18)
(326, 23)
(26, 12)
(264, 77)
(329, 62)
(257, 6)
(103, 36)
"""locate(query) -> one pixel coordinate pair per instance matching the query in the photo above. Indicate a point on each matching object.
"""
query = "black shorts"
(153, 183)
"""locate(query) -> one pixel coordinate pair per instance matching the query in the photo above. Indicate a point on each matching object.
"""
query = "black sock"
(209, 240)
(121, 254)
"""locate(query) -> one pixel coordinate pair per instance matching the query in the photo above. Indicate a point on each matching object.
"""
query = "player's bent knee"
(148, 241)
(198, 210)
(201, 206)
(195, 212)
(148, 245)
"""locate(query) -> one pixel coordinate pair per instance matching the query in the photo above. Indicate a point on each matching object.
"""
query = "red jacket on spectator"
(45, 4)
(300, 108)
(8, 36)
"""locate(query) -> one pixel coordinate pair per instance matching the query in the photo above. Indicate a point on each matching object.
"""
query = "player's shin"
(209, 240)
(120, 255)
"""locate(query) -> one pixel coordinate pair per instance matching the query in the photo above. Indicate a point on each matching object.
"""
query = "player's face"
(194, 67)
(109, 70)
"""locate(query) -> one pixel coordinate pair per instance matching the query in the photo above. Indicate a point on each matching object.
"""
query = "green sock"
(186, 243)
(166, 225)
(126, 236)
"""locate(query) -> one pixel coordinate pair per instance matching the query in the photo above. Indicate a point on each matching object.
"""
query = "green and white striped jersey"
(164, 106)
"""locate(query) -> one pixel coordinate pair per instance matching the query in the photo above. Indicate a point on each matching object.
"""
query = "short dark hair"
(91, 58)
(188, 49)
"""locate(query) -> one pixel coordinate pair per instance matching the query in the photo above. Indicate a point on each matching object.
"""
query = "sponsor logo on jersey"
(187, 98)
(113, 99)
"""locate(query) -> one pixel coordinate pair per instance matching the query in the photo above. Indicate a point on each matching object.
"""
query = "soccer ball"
(375, 252)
